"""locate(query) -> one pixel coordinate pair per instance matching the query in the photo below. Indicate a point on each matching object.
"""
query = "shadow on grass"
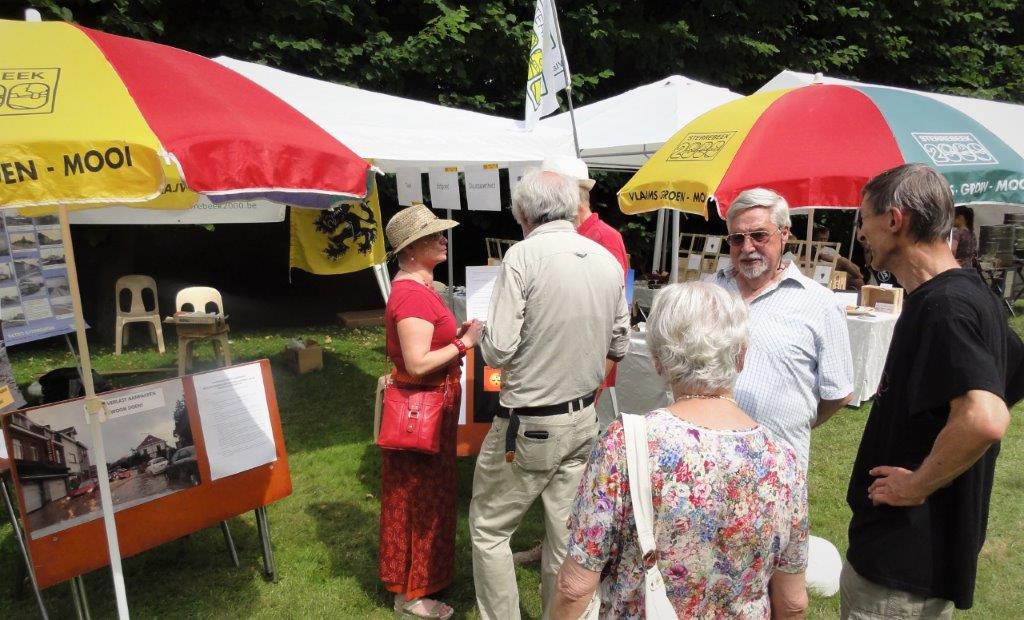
(350, 530)
(325, 408)
(154, 578)
(342, 523)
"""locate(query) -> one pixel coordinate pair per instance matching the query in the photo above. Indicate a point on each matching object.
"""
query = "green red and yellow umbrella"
(818, 145)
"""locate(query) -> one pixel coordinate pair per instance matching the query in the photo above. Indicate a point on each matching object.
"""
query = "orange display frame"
(82, 548)
(471, 434)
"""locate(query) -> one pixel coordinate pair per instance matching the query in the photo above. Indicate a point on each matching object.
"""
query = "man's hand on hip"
(894, 486)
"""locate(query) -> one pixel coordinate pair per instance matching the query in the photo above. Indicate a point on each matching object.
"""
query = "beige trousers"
(548, 468)
(862, 599)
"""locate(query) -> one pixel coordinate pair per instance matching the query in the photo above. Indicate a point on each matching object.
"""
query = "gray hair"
(542, 197)
(761, 197)
(696, 331)
(916, 189)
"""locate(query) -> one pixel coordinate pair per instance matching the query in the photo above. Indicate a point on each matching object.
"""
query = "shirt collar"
(790, 274)
(588, 223)
(550, 227)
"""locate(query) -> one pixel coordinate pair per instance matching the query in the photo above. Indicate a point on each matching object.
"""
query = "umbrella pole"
(853, 237)
(95, 417)
(810, 236)
(659, 233)
(674, 276)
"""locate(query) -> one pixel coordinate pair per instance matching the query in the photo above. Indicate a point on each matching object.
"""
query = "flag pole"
(568, 77)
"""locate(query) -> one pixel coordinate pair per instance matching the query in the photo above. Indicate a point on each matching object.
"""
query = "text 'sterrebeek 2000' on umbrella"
(818, 145)
(92, 119)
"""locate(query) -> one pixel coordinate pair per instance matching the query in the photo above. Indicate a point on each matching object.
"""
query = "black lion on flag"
(347, 226)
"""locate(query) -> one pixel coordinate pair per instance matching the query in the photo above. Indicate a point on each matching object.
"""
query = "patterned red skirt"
(419, 511)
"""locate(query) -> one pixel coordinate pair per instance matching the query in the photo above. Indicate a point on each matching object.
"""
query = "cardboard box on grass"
(305, 360)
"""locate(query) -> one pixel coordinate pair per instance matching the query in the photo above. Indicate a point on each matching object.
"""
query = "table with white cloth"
(869, 342)
(639, 388)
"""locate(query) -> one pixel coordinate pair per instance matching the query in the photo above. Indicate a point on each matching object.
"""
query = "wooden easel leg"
(269, 569)
(19, 536)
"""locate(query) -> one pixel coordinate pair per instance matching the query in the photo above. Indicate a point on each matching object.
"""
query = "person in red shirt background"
(588, 223)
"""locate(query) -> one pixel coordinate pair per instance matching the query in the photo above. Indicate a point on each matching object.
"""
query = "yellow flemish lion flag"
(346, 238)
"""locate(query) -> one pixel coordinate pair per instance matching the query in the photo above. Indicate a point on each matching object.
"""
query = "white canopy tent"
(622, 132)
(404, 133)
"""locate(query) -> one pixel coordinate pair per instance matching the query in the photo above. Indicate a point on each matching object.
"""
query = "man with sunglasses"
(798, 369)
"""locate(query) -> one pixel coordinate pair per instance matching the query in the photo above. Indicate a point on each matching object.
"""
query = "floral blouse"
(730, 509)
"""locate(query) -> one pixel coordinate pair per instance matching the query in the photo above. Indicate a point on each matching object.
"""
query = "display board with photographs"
(164, 445)
(35, 298)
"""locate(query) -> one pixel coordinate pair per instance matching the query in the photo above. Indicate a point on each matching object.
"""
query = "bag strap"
(656, 603)
(638, 468)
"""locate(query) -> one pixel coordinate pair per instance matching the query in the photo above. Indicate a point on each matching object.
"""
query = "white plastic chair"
(136, 312)
(199, 299)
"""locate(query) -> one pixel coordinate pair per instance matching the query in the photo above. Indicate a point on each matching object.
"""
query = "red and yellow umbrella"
(818, 145)
(92, 119)
(88, 118)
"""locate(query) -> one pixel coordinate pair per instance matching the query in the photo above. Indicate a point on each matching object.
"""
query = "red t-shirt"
(609, 238)
(410, 298)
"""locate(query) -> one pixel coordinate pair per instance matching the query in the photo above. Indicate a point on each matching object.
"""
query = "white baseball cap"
(570, 167)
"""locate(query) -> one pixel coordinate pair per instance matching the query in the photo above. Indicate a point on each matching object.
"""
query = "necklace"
(414, 276)
(707, 397)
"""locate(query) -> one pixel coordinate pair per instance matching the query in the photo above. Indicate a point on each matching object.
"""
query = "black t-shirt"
(951, 337)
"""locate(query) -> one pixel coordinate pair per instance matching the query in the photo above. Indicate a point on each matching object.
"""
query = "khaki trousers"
(861, 599)
(548, 468)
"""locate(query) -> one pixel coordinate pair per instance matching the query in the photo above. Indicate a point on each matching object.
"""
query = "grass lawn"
(325, 534)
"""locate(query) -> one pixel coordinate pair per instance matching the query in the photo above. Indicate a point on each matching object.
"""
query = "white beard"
(752, 271)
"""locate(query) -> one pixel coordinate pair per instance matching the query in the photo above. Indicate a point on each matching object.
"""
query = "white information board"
(444, 188)
(410, 186)
(236, 419)
(483, 188)
(479, 284)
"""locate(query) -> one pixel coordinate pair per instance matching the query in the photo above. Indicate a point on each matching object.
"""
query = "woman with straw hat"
(418, 510)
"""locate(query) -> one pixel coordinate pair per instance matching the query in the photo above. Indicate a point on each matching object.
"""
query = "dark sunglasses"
(759, 237)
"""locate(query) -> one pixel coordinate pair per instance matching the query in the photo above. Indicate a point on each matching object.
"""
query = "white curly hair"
(697, 332)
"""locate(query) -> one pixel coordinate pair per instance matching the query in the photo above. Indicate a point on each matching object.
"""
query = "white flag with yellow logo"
(547, 71)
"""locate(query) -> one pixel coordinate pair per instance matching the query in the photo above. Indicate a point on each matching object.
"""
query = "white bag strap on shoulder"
(656, 601)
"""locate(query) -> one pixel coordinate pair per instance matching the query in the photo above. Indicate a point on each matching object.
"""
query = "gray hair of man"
(916, 189)
(697, 332)
(542, 197)
(761, 197)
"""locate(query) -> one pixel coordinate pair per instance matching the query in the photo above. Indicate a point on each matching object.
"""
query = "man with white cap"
(587, 222)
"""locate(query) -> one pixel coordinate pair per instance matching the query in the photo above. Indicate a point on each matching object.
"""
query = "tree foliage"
(474, 55)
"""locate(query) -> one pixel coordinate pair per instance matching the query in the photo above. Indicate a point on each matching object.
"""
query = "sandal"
(428, 608)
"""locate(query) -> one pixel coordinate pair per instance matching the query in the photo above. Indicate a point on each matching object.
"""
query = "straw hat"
(571, 167)
(414, 223)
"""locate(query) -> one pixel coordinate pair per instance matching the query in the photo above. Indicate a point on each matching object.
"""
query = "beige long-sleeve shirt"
(558, 310)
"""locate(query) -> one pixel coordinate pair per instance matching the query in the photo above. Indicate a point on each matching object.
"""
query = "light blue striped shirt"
(799, 354)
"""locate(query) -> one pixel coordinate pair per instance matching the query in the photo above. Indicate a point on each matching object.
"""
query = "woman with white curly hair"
(730, 503)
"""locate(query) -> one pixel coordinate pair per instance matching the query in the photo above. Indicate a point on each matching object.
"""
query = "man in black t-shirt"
(922, 479)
